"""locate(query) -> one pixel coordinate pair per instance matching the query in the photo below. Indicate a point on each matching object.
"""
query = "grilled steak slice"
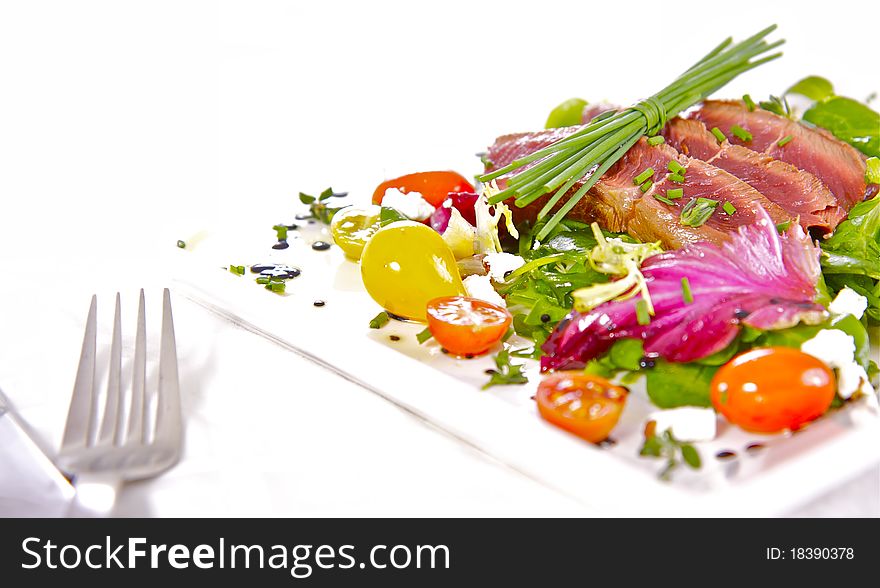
(617, 204)
(840, 166)
(799, 192)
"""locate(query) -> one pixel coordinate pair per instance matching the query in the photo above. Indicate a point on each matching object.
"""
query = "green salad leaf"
(538, 294)
(679, 384)
(851, 257)
(506, 373)
(813, 87)
(848, 120)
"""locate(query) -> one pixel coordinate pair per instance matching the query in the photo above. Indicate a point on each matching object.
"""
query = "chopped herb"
(674, 451)
(741, 133)
(277, 286)
(872, 171)
(380, 320)
(676, 167)
(506, 373)
(238, 270)
(784, 141)
(181, 244)
(686, 293)
(642, 315)
(646, 186)
(424, 336)
(263, 280)
(664, 199)
(318, 206)
(656, 140)
(750, 104)
(674, 193)
(728, 208)
(677, 178)
(281, 232)
(643, 176)
(697, 211)
(783, 226)
(718, 134)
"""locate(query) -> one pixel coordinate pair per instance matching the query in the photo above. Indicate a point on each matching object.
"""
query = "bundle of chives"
(592, 150)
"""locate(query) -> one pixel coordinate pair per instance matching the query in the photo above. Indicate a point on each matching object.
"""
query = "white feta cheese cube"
(848, 301)
(501, 263)
(687, 423)
(481, 287)
(411, 205)
(832, 346)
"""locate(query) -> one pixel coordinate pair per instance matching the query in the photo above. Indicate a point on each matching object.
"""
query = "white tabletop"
(126, 128)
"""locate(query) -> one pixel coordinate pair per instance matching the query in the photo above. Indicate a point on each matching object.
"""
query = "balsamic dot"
(320, 245)
(468, 355)
(647, 363)
(740, 314)
(319, 303)
(725, 455)
(394, 338)
(281, 245)
(444, 350)
(507, 273)
(292, 227)
(754, 448)
(545, 318)
(490, 372)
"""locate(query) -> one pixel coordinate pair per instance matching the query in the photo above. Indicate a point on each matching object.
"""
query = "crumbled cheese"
(837, 349)
(459, 235)
(481, 287)
(411, 205)
(848, 301)
(832, 346)
(501, 263)
(852, 378)
(688, 423)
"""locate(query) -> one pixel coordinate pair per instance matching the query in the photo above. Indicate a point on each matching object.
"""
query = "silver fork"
(101, 456)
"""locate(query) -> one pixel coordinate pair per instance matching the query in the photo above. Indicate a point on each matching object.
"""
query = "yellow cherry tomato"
(352, 228)
(405, 265)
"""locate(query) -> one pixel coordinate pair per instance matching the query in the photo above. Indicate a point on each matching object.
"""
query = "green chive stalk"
(591, 151)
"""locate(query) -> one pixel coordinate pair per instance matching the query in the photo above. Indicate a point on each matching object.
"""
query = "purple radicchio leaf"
(759, 278)
(462, 201)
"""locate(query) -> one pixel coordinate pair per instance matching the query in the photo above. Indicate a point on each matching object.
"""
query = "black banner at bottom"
(406, 552)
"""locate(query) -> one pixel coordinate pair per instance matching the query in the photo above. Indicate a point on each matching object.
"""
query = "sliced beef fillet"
(617, 204)
(841, 167)
(799, 192)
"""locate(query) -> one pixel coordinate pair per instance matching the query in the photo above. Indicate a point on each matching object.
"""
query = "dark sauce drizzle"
(276, 270)
(320, 245)
(725, 455)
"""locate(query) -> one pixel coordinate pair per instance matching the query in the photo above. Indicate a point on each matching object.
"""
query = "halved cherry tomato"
(773, 389)
(434, 186)
(583, 404)
(467, 326)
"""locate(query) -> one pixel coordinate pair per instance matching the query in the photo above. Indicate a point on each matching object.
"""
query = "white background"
(125, 126)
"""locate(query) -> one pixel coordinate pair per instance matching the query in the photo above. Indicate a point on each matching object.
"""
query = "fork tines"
(84, 428)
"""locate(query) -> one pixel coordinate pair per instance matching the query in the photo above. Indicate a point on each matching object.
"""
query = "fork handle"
(95, 496)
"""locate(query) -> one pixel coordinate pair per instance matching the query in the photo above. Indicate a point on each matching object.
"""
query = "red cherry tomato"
(583, 404)
(434, 186)
(466, 326)
(773, 389)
